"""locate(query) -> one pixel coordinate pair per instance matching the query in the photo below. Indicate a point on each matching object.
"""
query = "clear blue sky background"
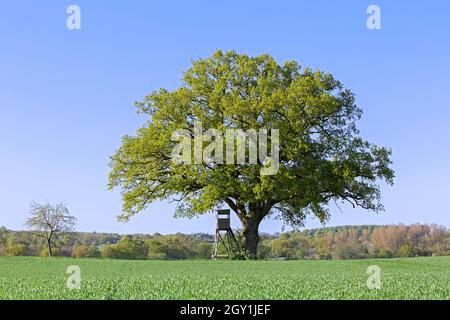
(66, 97)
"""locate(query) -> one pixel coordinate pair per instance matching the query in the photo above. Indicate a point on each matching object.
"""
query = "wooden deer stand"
(224, 236)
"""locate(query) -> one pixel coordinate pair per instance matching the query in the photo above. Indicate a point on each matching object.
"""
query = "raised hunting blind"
(225, 243)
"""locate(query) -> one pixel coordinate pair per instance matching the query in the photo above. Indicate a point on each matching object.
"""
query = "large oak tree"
(322, 157)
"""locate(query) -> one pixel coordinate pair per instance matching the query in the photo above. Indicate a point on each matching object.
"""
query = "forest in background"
(344, 242)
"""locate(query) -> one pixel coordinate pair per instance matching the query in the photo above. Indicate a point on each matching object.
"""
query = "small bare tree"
(48, 220)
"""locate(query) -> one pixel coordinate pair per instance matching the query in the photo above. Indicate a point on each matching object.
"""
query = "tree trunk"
(49, 246)
(250, 218)
(250, 236)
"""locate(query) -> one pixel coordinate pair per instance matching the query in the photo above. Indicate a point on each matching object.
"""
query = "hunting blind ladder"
(225, 243)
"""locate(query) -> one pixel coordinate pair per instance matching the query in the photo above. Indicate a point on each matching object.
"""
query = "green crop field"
(43, 278)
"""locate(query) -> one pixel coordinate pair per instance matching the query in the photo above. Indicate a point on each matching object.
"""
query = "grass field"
(43, 278)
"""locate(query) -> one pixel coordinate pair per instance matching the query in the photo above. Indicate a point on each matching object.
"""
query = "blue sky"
(66, 96)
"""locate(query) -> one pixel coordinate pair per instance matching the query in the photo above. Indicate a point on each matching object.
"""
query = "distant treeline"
(345, 242)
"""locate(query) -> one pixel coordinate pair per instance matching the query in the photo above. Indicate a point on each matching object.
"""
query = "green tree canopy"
(321, 157)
